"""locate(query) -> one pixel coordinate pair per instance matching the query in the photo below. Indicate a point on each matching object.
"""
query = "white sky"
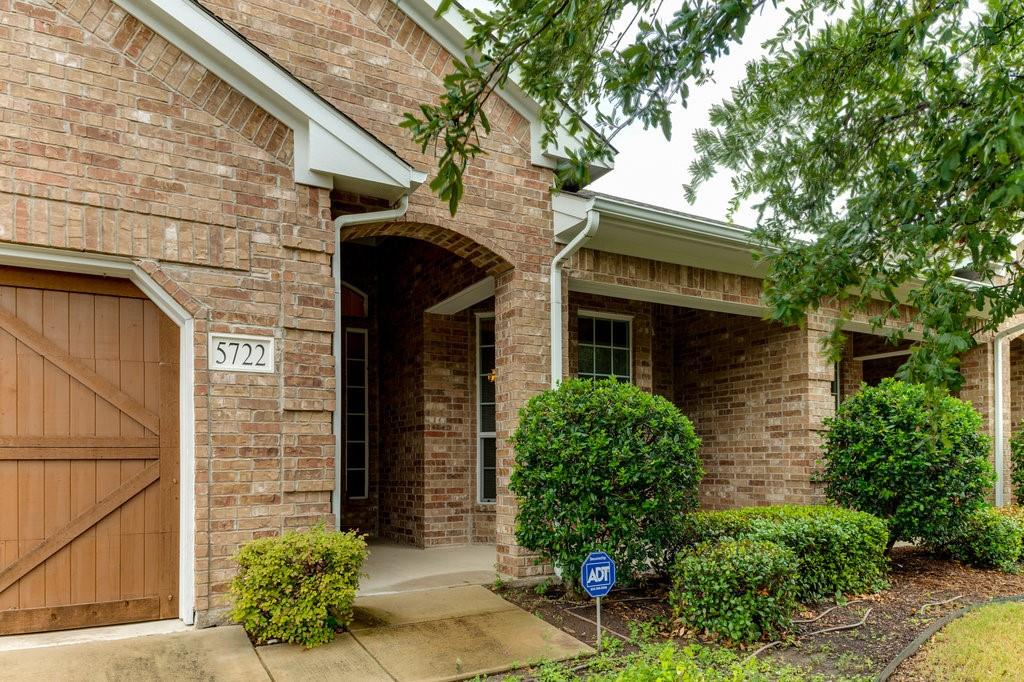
(650, 169)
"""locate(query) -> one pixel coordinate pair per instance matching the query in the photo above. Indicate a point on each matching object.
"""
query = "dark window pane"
(486, 390)
(603, 361)
(355, 373)
(603, 332)
(486, 332)
(486, 360)
(487, 418)
(490, 485)
(620, 329)
(356, 425)
(620, 363)
(586, 327)
(356, 345)
(586, 360)
(355, 457)
(355, 481)
(356, 399)
(489, 452)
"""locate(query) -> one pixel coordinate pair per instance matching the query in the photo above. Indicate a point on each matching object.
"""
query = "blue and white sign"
(597, 575)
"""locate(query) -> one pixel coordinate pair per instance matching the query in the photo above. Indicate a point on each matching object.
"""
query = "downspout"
(340, 223)
(574, 245)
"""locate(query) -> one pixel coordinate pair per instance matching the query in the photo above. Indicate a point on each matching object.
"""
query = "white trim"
(450, 31)
(602, 314)
(881, 356)
(365, 333)
(481, 435)
(670, 298)
(330, 149)
(467, 298)
(59, 260)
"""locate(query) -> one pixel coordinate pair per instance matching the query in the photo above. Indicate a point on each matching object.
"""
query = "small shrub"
(1017, 465)
(838, 551)
(298, 587)
(989, 539)
(740, 590)
(603, 465)
(1015, 512)
(916, 459)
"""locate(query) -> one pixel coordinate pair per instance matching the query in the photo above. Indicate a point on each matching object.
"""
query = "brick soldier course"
(117, 142)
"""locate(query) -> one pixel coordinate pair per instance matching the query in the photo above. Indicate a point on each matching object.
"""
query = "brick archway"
(459, 244)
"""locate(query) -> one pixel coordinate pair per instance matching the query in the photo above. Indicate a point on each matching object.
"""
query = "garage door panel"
(88, 457)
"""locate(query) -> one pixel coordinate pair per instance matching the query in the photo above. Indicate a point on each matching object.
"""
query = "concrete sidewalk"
(447, 634)
(444, 634)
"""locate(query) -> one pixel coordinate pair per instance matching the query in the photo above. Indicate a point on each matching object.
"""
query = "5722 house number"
(242, 353)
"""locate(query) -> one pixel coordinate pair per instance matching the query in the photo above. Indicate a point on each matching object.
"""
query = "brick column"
(978, 368)
(523, 364)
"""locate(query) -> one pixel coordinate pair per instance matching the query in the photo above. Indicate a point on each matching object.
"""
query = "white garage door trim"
(58, 260)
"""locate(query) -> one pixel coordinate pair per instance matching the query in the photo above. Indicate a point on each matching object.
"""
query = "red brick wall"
(115, 142)
(743, 383)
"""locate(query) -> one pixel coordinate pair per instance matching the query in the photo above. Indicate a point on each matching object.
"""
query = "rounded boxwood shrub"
(739, 590)
(603, 465)
(989, 539)
(916, 459)
(838, 551)
(298, 587)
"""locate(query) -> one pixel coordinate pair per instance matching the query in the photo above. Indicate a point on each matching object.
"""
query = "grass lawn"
(986, 644)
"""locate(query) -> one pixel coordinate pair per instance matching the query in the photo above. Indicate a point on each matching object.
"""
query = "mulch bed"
(918, 583)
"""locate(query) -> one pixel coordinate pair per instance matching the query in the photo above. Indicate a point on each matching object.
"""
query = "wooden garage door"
(88, 453)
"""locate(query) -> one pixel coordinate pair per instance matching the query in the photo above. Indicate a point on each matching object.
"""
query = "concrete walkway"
(443, 634)
(446, 634)
(402, 568)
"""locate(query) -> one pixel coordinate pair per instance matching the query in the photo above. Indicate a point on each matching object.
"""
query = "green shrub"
(298, 587)
(838, 551)
(1017, 465)
(916, 459)
(1015, 512)
(989, 539)
(603, 465)
(740, 590)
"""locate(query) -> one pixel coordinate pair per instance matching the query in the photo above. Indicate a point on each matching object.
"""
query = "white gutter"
(588, 231)
(997, 410)
(339, 223)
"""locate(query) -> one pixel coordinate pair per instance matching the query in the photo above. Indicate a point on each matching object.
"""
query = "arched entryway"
(420, 389)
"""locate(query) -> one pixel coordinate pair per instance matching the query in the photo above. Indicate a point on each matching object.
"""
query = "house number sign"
(242, 353)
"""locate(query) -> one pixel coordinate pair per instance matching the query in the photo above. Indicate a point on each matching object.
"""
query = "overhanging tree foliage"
(882, 141)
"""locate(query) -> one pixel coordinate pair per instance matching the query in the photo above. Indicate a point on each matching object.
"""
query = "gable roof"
(331, 150)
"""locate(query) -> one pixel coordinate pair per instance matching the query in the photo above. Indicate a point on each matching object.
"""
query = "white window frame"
(359, 292)
(483, 435)
(365, 414)
(613, 317)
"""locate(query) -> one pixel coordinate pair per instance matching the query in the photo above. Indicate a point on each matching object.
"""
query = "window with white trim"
(357, 454)
(605, 347)
(487, 444)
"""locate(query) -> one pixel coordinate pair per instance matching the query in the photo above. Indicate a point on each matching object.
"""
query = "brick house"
(229, 306)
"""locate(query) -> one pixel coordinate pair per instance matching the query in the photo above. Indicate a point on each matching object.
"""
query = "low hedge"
(298, 587)
(738, 590)
(838, 551)
(990, 539)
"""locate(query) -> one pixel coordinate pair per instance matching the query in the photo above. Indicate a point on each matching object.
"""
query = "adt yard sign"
(597, 575)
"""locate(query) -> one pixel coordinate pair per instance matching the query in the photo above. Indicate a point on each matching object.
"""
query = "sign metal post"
(597, 576)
